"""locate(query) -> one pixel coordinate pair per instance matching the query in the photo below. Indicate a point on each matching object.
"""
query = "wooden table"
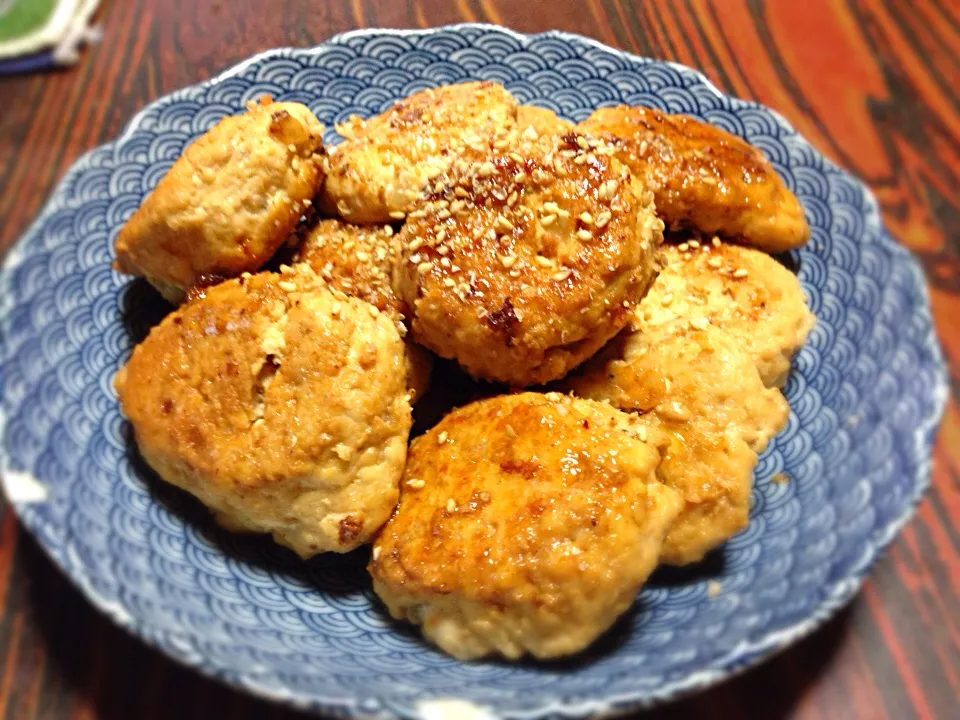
(871, 84)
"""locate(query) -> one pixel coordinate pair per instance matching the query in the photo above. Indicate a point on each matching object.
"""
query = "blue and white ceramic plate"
(866, 394)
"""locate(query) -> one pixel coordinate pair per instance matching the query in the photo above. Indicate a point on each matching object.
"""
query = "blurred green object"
(20, 18)
(37, 34)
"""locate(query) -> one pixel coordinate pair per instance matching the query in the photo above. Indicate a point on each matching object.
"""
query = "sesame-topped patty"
(526, 523)
(522, 262)
(359, 260)
(228, 202)
(755, 300)
(376, 173)
(703, 177)
(278, 402)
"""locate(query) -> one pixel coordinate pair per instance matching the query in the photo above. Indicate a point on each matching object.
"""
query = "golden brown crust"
(522, 263)
(703, 177)
(358, 260)
(280, 404)
(228, 202)
(700, 389)
(376, 173)
(755, 300)
(527, 523)
(543, 120)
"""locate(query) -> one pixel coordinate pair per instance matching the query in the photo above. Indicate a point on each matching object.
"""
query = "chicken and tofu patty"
(359, 260)
(228, 202)
(378, 170)
(754, 299)
(280, 404)
(524, 262)
(703, 177)
(701, 390)
(527, 523)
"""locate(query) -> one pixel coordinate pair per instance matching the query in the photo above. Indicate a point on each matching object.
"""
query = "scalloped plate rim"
(840, 592)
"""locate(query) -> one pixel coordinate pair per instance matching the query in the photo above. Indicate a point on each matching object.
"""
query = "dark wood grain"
(872, 84)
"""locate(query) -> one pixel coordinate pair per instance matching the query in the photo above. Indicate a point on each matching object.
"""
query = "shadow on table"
(69, 657)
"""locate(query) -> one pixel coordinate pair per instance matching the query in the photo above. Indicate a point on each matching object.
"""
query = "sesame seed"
(608, 189)
(376, 553)
(443, 214)
(362, 256)
(503, 225)
(643, 148)
(442, 438)
(508, 261)
(667, 299)
(424, 267)
(586, 218)
(683, 247)
(449, 282)
(461, 192)
(642, 433)
(714, 262)
(487, 169)
(562, 274)
(544, 261)
(694, 244)
(445, 262)
(287, 286)
(457, 205)
(451, 505)
(516, 157)
(547, 220)
(740, 274)
(530, 134)
(541, 178)
(716, 241)
(603, 218)
(584, 234)
(398, 214)
(700, 323)
(509, 431)
(415, 483)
